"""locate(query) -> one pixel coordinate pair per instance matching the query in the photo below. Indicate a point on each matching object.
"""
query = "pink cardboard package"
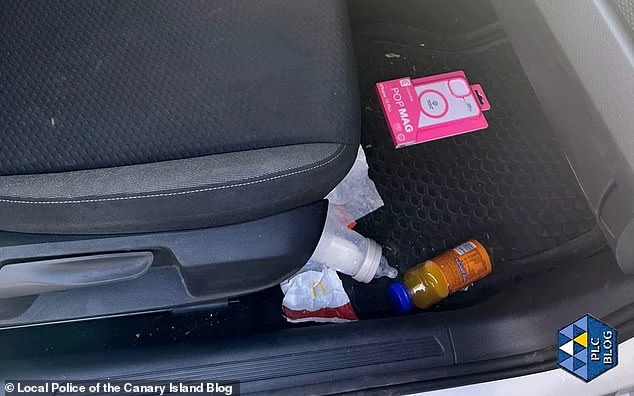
(431, 108)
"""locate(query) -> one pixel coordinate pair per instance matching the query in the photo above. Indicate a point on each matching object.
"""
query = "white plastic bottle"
(350, 253)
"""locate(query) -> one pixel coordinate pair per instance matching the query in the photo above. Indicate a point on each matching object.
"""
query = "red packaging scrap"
(316, 294)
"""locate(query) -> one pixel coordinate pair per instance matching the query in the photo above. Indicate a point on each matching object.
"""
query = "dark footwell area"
(509, 185)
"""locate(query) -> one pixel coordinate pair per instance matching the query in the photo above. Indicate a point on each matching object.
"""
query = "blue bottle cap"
(400, 297)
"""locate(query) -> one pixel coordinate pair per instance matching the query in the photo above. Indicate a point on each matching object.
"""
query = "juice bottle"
(430, 282)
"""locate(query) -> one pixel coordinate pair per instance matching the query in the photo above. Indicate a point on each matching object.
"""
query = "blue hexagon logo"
(587, 348)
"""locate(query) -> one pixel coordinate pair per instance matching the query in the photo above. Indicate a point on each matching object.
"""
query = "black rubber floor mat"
(510, 184)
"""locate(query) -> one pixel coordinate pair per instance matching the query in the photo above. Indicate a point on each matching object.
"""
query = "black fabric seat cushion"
(101, 100)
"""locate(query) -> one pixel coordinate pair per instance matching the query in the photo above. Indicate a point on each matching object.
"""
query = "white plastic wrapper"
(357, 192)
(316, 294)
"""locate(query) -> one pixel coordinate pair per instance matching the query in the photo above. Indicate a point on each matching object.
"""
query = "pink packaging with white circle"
(432, 108)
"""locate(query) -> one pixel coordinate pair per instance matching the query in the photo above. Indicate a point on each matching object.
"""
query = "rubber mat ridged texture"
(510, 185)
(626, 9)
(92, 84)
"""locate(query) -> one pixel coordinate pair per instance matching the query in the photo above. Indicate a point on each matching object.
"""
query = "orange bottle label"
(464, 264)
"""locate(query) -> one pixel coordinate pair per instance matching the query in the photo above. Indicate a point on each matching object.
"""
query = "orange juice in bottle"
(430, 282)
